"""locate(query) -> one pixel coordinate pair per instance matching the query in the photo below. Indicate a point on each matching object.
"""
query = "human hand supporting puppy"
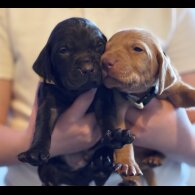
(165, 135)
(162, 127)
(75, 131)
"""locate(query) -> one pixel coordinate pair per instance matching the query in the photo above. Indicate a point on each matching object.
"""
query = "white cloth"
(24, 32)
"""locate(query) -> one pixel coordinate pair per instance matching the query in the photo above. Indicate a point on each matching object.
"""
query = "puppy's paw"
(152, 161)
(101, 164)
(34, 157)
(117, 138)
(102, 167)
(128, 169)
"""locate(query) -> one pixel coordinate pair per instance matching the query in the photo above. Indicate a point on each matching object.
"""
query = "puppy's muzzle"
(85, 73)
(86, 67)
(108, 62)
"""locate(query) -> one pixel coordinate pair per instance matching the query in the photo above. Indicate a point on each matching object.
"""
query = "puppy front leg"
(39, 150)
(124, 160)
(49, 110)
(110, 117)
(126, 165)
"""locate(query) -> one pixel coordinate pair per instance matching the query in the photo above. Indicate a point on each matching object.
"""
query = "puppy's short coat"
(69, 65)
(135, 65)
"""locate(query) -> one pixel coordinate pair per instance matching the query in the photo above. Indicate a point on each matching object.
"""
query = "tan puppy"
(135, 65)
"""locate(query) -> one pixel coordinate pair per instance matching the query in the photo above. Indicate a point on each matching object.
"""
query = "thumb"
(81, 104)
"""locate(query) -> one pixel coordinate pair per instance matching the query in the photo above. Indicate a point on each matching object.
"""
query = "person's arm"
(11, 141)
(190, 79)
(5, 97)
(191, 114)
(73, 132)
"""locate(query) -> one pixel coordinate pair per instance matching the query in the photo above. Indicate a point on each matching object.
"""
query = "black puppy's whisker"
(80, 71)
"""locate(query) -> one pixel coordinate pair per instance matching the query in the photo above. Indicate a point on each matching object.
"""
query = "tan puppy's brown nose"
(108, 62)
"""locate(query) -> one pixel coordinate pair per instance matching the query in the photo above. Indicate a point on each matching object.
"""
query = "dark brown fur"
(69, 65)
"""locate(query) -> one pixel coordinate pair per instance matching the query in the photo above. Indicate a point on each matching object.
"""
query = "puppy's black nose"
(87, 68)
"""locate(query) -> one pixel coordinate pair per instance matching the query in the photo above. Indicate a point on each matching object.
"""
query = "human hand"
(162, 127)
(75, 130)
(191, 114)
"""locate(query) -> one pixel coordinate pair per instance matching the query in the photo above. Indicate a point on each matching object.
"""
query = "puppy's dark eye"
(100, 47)
(63, 50)
(137, 49)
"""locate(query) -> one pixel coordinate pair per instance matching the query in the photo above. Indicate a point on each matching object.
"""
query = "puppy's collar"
(140, 103)
(46, 81)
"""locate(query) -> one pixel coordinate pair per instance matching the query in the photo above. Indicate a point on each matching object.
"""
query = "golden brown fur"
(132, 63)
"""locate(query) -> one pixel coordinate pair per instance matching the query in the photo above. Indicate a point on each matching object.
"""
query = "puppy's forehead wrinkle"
(81, 47)
(84, 41)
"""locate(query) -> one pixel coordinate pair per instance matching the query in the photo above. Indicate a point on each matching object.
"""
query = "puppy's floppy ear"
(167, 75)
(104, 37)
(43, 66)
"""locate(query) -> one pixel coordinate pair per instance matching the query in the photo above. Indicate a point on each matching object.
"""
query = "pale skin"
(168, 131)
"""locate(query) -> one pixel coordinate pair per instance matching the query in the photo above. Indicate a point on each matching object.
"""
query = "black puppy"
(69, 65)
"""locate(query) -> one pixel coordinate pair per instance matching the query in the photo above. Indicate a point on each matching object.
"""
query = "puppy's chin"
(110, 82)
(123, 86)
(82, 85)
(77, 81)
